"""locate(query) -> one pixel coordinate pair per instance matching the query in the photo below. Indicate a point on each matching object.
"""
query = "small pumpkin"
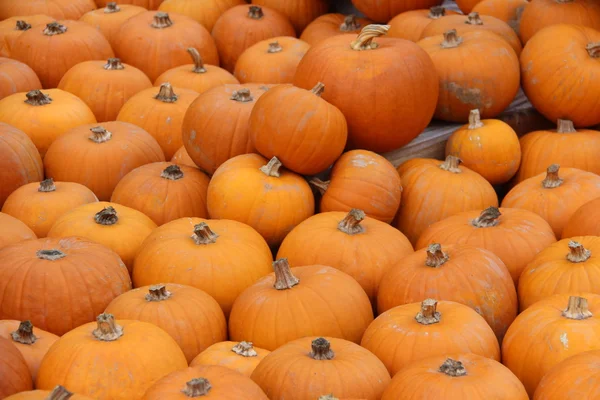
(328, 25)
(57, 9)
(206, 12)
(147, 4)
(509, 11)
(409, 25)
(489, 147)
(260, 193)
(385, 10)
(104, 86)
(11, 28)
(583, 221)
(16, 77)
(13, 369)
(58, 393)
(129, 354)
(299, 12)
(559, 382)
(13, 230)
(109, 19)
(321, 365)
(40, 204)
(182, 157)
(99, 156)
(242, 357)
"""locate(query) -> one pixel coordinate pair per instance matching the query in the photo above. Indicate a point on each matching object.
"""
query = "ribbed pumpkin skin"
(221, 354)
(409, 25)
(110, 22)
(16, 77)
(328, 25)
(13, 230)
(299, 12)
(206, 12)
(509, 11)
(42, 395)
(48, 289)
(57, 9)
(13, 369)
(383, 11)
(583, 221)
(559, 382)
(9, 32)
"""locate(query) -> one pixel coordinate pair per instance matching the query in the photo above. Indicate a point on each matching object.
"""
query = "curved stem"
(451, 39)
(487, 218)
(351, 223)
(322, 186)
(59, 393)
(475, 119)
(172, 173)
(435, 256)
(451, 164)
(166, 93)
(198, 63)
(272, 168)
(107, 329)
(54, 28)
(113, 64)
(47, 185)
(157, 293)
(318, 89)
(242, 95)
(453, 368)
(274, 47)
(428, 314)
(364, 41)
(474, 19)
(593, 49)
(99, 135)
(24, 334)
(577, 308)
(552, 179)
(350, 24)
(565, 126)
(161, 20)
(197, 387)
(50, 254)
(107, 216)
(203, 234)
(22, 26)
(255, 12)
(578, 253)
(284, 279)
(244, 349)
(436, 12)
(37, 98)
(321, 350)
(111, 7)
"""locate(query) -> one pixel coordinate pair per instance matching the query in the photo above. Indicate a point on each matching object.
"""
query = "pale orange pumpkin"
(57, 9)
(11, 28)
(583, 221)
(328, 25)
(242, 357)
(13, 230)
(509, 11)
(206, 12)
(409, 25)
(109, 19)
(58, 393)
(181, 157)
(385, 10)
(559, 382)
(16, 77)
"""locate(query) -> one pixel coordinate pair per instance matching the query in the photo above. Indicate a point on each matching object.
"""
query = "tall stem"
(364, 41)
(198, 63)
(318, 89)
(475, 119)
(552, 179)
(428, 314)
(350, 225)
(577, 309)
(107, 330)
(59, 393)
(322, 186)
(451, 164)
(565, 126)
(284, 279)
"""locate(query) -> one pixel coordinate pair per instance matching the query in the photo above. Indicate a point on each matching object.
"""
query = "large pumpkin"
(206, 12)
(11, 28)
(434, 190)
(57, 9)
(509, 11)
(575, 378)
(99, 156)
(42, 279)
(13, 369)
(16, 77)
(242, 357)
(58, 393)
(181, 157)
(221, 257)
(129, 354)
(353, 69)
(147, 4)
(385, 10)
(328, 25)
(109, 19)
(300, 12)
(321, 365)
(13, 230)
(583, 222)
(409, 25)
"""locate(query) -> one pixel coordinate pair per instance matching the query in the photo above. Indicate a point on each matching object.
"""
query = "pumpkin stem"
(451, 39)
(351, 223)
(321, 349)
(47, 185)
(436, 12)
(487, 218)
(255, 12)
(364, 40)
(350, 24)
(166, 93)
(451, 164)
(453, 368)
(274, 47)
(244, 349)
(108, 329)
(565, 126)
(99, 135)
(54, 28)
(198, 63)
(203, 234)
(161, 20)
(172, 173)
(272, 167)
(113, 64)
(593, 49)
(328, 397)
(106, 216)
(284, 279)
(50, 254)
(428, 314)
(157, 293)
(322, 186)
(552, 179)
(435, 256)
(111, 7)
(37, 98)
(197, 387)
(475, 119)
(318, 89)
(577, 308)
(578, 252)
(474, 19)
(59, 393)
(24, 334)
(242, 95)
(22, 26)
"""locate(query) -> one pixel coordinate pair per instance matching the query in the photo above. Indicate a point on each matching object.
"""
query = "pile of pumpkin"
(277, 254)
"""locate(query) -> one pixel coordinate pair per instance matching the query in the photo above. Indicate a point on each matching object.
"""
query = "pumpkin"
(385, 10)
(321, 365)
(489, 147)
(45, 115)
(271, 61)
(365, 180)
(109, 19)
(215, 127)
(205, 380)
(434, 190)
(509, 11)
(20, 162)
(57, 9)
(98, 156)
(557, 197)
(115, 226)
(564, 326)
(352, 68)
(16, 77)
(409, 25)
(583, 222)
(160, 112)
(242, 26)
(221, 257)
(417, 331)
(147, 4)
(327, 292)
(104, 86)
(13, 369)
(32, 343)
(206, 12)
(489, 81)
(52, 51)
(300, 12)
(41, 280)
(40, 204)
(129, 354)
(572, 379)
(242, 357)
(11, 28)
(328, 25)
(164, 192)
(516, 236)
(474, 22)
(13, 230)
(563, 59)
(457, 272)
(58, 393)
(198, 76)
(260, 193)
(466, 6)
(181, 157)
(193, 318)
(455, 376)
(338, 240)
(156, 42)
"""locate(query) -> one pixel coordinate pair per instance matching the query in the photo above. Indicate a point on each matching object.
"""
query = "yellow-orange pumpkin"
(57, 9)
(583, 221)
(409, 25)
(509, 11)
(559, 382)
(181, 157)
(242, 357)
(13, 369)
(109, 19)
(58, 393)
(11, 28)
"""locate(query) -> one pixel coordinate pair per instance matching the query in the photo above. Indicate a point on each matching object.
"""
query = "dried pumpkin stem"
(198, 63)
(255, 12)
(244, 349)
(242, 95)
(99, 135)
(111, 7)
(203, 234)
(428, 314)
(578, 253)
(474, 19)
(107, 216)
(274, 47)
(577, 309)
(113, 64)
(54, 28)
(453, 368)
(552, 179)
(47, 185)
(565, 126)
(351, 223)
(350, 24)
(475, 119)
(37, 98)
(451, 164)
(364, 41)
(322, 186)
(197, 387)
(284, 279)
(272, 168)
(108, 329)
(451, 39)
(321, 349)
(22, 26)
(172, 173)
(59, 393)
(436, 12)
(593, 49)
(318, 89)
(158, 293)
(24, 334)
(436, 256)
(487, 218)
(166, 93)
(161, 20)
(50, 254)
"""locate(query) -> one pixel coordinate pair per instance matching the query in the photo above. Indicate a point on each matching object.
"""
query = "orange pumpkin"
(44, 116)
(515, 236)
(564, 326)
(260, 193)
(99, 156)
(242, 357)
(559, 382)
(385, 10)
(16, 77)
(466, 6)
(321, 365)
(156, 42)
(328, 25)
(129, 354)
(104, 86)
(20, 162)
(242, 26)
(583, 221)
(353, 69)
(490, 147)
(181, 157)
(563, 59)
(109, 19)
(206, 12)
(409, 25)
(300, 12)
(41, 280)
(11, 28)
(58, 393)
(435, 190)
(117, 227)
(557, 197)
(13, 230)
(509, 11)
(147, 4)
(57, 9)
(13, 369)
(221, 257)
(39, 205)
